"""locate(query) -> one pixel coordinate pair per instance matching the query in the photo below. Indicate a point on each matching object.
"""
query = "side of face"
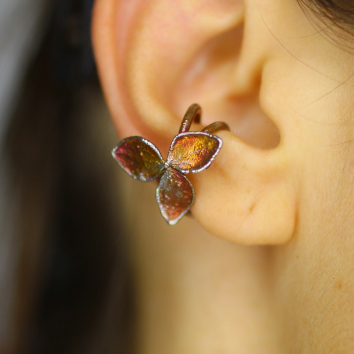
(284, 174)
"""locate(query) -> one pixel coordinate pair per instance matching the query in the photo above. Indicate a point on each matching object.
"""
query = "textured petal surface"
(193, 151)
(175, 195)
(139, 158)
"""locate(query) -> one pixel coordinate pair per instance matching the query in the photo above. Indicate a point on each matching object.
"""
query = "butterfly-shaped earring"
(189, 152)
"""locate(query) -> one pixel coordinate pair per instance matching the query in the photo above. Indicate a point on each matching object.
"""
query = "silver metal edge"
(211, 159)
(146, 142)
(173, 222)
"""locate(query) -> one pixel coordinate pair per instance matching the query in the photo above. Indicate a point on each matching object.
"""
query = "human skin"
(266, 263)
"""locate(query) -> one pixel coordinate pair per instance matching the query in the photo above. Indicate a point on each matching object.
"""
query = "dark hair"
(339, 13)
(72, 292)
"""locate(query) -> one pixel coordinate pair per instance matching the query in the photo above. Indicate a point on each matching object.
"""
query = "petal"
(193, 151)
(175, 195)
(140, 158)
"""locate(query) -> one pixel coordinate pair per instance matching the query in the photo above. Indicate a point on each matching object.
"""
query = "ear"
(157, 57)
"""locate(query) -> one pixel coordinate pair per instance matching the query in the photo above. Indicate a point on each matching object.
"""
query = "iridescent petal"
(193, 151)
(175, 195)
(139, 157)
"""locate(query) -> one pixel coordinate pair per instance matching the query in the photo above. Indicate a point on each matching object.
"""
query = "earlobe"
(249, 197)
(146, 53)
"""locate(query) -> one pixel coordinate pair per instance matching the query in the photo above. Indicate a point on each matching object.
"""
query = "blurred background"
(65, 284)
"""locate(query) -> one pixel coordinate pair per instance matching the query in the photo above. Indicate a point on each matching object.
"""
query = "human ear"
(157, 57)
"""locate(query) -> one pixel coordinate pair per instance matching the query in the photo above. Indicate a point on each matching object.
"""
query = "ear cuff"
(189, 152)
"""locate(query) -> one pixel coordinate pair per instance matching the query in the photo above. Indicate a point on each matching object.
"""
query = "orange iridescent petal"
(140, 158)
(193, 151)
(175, 195)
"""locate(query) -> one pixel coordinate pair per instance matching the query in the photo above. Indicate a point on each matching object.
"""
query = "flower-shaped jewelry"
(189, 152)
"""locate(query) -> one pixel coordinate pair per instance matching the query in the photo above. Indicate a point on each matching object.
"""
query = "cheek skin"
(314, 114)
